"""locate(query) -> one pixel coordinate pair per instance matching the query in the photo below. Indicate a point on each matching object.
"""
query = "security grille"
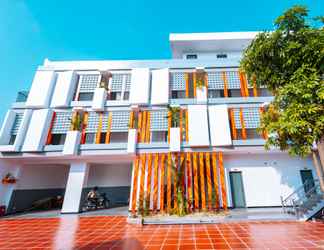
(88, 82)
(215, 80)
(159, 120)
(93, 121)
(251, 118)
(178, 81)
(233, 79)
(117, 82)
(15, 127)
(105, 118)
(120, 121)
(62, 122)
(128, 81)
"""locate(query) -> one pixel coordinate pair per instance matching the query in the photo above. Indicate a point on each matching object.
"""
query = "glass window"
(191, 56)
(118, 137)
(90, 138)
(58, 139)
(221, 55)
(159, 136)
(86, 96)
(12, 139)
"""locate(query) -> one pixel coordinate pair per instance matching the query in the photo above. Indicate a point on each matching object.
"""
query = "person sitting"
(93, 196)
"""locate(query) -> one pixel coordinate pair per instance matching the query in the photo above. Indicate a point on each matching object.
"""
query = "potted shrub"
(9, 179)
(73, 137)
(174, 116)
(201, 86)
(100, 94)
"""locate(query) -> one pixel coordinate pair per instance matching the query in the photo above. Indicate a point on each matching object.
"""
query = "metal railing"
(303, 199)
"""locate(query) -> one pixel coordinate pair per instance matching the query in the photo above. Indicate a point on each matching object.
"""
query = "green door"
(238, 196)
(307, 179)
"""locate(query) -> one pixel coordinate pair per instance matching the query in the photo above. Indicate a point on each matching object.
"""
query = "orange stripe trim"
(202, 181)
(187, 84)
(107, 139)
(222, 180)
(215, 175)
(242, 124)
(195, 173)
(209, 181)
(169, 184)
(139, 126)
(131, 119)
(155, 181)
(225, 84)
(169, 125)
(189, 181)
(148, 182)
(187, 126)
(176, 163)
(142, 177)
(98, 134)
(232, 120)
(162, 173)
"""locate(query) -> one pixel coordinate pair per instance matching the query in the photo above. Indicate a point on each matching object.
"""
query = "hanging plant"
(76, 121)
(174, 115)
(9, 179)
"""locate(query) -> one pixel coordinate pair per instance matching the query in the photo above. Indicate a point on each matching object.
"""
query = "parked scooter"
(102, 202)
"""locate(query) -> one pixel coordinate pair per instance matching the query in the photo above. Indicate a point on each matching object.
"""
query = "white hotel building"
(126, 139)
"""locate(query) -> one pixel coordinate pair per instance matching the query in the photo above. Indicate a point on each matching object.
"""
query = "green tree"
(289, 61)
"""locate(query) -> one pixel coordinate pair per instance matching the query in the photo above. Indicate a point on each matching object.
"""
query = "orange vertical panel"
(142, 177)
(202, 181)
(189, 181)
(209, 181)
(225, 84)
(84, 126)
(232, 120)
(181, 124)
(242, 124)
(135, 181)
(242, 88)
(148, 127)
(107, 140)
(139, 126)
(194, 84)
(162, 173)
(182, 166)
(144, 123)
(49, 135)
(148, 182)
(169, 125)
(98, 134)
(176, 165)
(215, 179)
(255, 90)
(169, 176)
(195, 173)
(222, 180)
(187, 84)
(131, 119)
(155, 181)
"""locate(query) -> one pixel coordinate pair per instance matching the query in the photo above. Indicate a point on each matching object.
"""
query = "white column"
(78, 177)
(7, 189)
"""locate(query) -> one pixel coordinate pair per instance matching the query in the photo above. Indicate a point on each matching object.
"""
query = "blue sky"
(32, 30)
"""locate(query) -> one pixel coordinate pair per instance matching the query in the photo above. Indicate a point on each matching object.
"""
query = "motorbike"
(102, 202)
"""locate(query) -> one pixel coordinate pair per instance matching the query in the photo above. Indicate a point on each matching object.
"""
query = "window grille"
(251, 118)
(233, 79)
(178, 81)
(159, 120)
(88, 82)
(62, 122)
(105, 118)
(215, 80)
(18, 120)
(120, 121)
(128, 81)
(117, 82)
(93, 121)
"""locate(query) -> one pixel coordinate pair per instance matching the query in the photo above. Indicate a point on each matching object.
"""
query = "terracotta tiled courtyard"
(112, 232)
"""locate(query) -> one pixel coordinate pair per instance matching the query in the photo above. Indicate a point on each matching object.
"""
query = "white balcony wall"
(99, 99)
(198, 126)
(72, 143)
(140, 86)
(37, 130)
(6, 127)
(160, 87)
(219, 128)
(41, 90)
(132, 139)
(174, 140)
(64, 89)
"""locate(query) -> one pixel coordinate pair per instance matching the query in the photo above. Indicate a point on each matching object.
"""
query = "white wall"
(110, 175)
(43, 177)
(6, 190)
(266, 176)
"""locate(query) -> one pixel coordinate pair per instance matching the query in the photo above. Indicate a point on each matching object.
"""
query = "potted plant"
(201, 86)
(73, 137)
(100, 94)
(174, 136)
(9, 179)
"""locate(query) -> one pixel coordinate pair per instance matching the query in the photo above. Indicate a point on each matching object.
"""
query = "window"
(85, 97)
(119, 87)
(215, 93)
(191, 56)
(159, 126)
(159, 136)
(58, 139)
(119, 137)
(87, 83)
(15, 128)
(12, 139)
(178, 85)
(178, 94)
(90, 138)
(221, 55)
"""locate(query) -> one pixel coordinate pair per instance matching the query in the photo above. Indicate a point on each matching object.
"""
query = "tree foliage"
(289, 61)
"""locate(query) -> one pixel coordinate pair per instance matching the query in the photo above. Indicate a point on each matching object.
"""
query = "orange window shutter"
(209, 181)
(162, 173)
(149, 181)
(49, 135)
(107, 139)
(222, 180)
(215, 179)
(225, 84)
(135, 181)
(84, 126)
(169, 179)
(142, 177)
(195, 173)
(202, 181)
(244, 137)
(155, 181)
(98, 134)
(189, 181)
(233, 126)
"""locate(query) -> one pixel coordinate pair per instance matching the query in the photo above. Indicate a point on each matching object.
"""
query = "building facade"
(125, 125)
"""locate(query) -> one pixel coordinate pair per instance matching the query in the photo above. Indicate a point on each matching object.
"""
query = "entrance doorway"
(307, 179)
(237, 188)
